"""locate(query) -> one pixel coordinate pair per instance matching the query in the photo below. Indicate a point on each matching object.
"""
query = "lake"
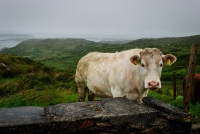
(11, 40)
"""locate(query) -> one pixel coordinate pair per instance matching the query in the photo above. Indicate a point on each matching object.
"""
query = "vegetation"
(45, 73)
(26, 82)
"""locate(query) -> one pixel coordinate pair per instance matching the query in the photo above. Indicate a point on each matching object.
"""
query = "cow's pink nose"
(153, 84)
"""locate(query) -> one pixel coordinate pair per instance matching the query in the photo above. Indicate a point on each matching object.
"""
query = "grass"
(166, 94)
(38, 98)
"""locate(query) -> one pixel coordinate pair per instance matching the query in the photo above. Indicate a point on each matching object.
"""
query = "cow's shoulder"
(197, 78)
(127, 54)
(196, 75)
(132, 51)
(90, 55)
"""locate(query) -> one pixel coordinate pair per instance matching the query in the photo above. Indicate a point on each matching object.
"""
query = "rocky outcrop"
(113, 115)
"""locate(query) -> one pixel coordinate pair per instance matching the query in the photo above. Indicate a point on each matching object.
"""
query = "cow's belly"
(101, 93)
(100, 89)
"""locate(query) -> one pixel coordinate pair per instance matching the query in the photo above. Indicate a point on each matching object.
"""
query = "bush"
(45, 79)
(10, 73)
(35, 84)
(65, 77)
(9, 88)
(178, 102)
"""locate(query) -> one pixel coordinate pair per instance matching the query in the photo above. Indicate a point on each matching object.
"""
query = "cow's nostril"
(153, 84)
(149, 84)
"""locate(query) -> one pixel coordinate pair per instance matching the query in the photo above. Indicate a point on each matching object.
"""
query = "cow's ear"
(135, 59)
(168, 59)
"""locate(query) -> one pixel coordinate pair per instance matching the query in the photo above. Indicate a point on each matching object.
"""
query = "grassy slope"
(63, 54)
(40, 85)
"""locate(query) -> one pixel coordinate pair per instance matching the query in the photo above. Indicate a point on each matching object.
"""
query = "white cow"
(124, 74)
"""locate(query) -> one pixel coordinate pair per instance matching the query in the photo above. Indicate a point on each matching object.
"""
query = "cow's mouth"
(153, 89)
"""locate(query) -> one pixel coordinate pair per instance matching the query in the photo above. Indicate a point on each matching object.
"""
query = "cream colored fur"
(115, 75)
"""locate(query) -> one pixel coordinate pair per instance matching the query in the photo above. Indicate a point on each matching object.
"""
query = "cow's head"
(150, 62)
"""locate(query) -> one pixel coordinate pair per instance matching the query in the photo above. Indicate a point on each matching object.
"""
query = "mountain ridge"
(64, 54)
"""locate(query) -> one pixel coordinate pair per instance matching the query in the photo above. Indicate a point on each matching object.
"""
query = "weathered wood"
(174, 88)
(189, 89)
(21, 84)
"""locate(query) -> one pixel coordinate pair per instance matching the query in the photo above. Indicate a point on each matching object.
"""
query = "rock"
(97, 115)
(22, 119)
(166, 110)
(196, 127)
(74, 111)
(121, 110)
(21, 116)
(112, 115)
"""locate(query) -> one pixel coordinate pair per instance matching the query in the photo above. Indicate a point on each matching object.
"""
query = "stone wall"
(113, 115)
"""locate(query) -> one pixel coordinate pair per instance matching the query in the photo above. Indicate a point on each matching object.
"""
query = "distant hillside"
(115, 41)
(15, 35)
(170, 43)
(12, 66)
(41, 49)
(18, 73)
(64, 54)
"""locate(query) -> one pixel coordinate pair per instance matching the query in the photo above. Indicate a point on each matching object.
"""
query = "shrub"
(65, 77)
(9, 88)
(9, 73)
(32, 84)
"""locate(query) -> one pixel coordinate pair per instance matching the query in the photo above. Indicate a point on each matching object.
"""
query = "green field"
(48, 67)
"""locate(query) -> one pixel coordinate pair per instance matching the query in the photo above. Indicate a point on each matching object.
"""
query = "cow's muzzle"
(153, 85)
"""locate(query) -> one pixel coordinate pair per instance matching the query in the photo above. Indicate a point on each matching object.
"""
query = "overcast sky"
(142, 18)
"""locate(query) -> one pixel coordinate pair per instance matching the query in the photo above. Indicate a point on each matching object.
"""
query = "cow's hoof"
(140, 101)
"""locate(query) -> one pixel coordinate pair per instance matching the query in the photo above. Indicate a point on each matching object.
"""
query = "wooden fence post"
(189, 85)
(174, 86)
(21, 83)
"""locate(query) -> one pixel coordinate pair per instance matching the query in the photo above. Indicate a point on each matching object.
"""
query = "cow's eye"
(142, 65)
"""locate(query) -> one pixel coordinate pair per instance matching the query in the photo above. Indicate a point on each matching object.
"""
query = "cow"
(129, 73)
(196, 85)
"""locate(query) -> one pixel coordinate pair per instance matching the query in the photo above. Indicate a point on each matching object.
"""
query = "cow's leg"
(140, 96)
(91, 95)
(116, 92)
(81, 92)
(139, 99)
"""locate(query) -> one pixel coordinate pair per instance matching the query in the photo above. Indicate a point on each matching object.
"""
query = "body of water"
(6, 43)
(11, 40)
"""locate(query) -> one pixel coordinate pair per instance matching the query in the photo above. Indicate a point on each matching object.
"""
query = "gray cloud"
(152, 18)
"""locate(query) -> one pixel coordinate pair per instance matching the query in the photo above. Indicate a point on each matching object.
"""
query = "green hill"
(64, 54)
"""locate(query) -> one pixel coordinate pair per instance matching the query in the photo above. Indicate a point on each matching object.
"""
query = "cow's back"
(97, 63)
(92, 64)
(82, 67)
